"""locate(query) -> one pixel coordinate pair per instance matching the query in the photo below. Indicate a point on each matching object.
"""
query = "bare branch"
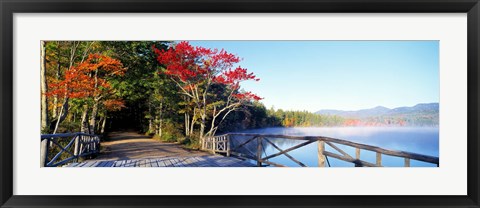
(180, 86)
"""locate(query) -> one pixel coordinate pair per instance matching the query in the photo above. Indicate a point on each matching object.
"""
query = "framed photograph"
(246, 104)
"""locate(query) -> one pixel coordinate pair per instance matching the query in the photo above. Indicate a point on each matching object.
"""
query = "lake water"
(420, 140)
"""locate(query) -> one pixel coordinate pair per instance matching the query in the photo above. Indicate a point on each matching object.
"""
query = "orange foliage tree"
(89, 81)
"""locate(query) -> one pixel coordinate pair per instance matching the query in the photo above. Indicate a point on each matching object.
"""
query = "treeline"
(430, 119)
(258, 116)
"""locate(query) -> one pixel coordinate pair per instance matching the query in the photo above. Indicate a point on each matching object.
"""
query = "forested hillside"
(424, 114)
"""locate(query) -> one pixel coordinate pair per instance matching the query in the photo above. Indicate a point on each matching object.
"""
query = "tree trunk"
(160, 119)
(202, 125)
(57, 76)
(204, 111)
(85, 127)
(63, 114)
(93, 116)
(43, 88)
(150, 125)
(187, 125)
(98, 124)
(187, 117)
(64, 109)
(150, 119)
(203, 114)
(102, 130)
(192, 122)
(159, 129)
(212, 126)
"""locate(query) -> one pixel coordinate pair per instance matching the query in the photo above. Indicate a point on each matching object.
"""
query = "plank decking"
(195, 161)
(130, 149)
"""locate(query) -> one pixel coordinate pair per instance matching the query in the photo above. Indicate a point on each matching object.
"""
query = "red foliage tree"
(196, 69)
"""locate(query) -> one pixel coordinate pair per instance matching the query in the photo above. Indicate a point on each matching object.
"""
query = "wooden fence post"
(88, 140)
(407, 162)
(76, 152)
(379, 159)
(214, 144)
(357, 156)
(97, 145)
(259, 151)
(44, 145)
(321, 156)
(227, 144)
(91, 143)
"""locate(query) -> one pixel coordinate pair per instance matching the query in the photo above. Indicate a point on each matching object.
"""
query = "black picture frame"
(9, 7)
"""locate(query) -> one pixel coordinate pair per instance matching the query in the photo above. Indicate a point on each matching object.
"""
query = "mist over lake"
(420, 140)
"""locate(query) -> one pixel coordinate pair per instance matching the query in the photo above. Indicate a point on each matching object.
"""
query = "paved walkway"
(131, 149)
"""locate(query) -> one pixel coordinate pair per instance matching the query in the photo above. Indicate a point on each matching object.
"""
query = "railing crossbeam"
(286, 154)
(338, 149)
(288, 150)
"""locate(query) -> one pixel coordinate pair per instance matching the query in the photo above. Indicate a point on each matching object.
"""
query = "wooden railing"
(223, 144)
(60, 149)
(217, 144)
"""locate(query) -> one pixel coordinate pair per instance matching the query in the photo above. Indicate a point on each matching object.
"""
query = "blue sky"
(343, 75)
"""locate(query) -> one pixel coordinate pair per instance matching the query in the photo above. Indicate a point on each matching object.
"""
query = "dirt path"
(127, 145)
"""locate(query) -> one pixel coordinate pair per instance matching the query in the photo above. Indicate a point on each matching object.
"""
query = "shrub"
(171, 133)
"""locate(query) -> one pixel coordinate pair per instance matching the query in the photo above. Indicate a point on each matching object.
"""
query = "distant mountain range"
(420, 114)
(380, 111)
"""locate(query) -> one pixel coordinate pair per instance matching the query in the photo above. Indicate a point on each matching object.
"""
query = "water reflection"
(421, 140)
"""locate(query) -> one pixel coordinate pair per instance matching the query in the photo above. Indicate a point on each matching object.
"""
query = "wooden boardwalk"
(132, 146)
(130, 149)
(198, 161)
